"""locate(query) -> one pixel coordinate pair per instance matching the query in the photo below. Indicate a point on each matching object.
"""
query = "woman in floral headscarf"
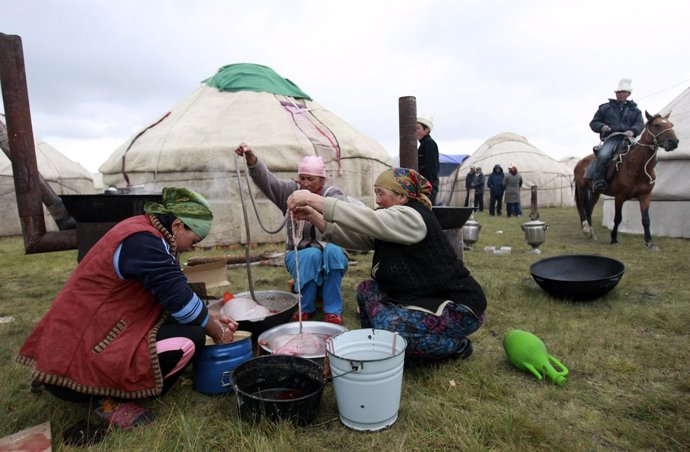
(126, 324)
(419, 287)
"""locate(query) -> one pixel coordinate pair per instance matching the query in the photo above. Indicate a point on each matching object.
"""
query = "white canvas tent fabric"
(670, 209)
(553, 179)
(63, 175)
(570, 162)
(193, 146)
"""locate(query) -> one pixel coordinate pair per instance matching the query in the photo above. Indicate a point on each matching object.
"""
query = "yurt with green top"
(193, 145)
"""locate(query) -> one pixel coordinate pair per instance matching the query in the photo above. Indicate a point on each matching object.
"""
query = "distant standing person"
(513, 184)
(619, 118)
(496, 189)
(427, 154)
(478, 186)
(469, 179)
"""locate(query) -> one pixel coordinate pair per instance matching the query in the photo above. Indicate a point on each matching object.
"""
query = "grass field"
(628, 356)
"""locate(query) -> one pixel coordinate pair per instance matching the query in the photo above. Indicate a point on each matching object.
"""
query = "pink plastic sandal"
(334, 318)
(124, 415)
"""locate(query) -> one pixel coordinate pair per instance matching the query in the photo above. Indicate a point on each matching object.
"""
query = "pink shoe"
(334, 318)
(124, 415)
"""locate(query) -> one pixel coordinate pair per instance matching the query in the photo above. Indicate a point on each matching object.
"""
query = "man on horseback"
(619, 117)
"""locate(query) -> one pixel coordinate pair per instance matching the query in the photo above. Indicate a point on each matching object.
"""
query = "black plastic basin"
(578, 277)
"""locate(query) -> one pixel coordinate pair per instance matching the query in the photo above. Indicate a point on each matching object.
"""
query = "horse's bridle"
(654, 146)
(655, 140)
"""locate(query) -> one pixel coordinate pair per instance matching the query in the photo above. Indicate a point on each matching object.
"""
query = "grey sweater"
(278, 191)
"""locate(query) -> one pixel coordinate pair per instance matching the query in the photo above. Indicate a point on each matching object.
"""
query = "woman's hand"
(299, 198)
(302, 198)
(221, 327)
(311, 215)
(243, 150)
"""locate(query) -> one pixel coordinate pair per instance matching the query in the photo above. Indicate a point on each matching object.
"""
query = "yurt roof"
(201, 131)
(570, 162)
(508, 149)
(553, 179)
(193, 145)
(254, 77)
(52, 165)
(62, 174)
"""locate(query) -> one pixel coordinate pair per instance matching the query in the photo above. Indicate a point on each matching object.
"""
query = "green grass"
(628, 387)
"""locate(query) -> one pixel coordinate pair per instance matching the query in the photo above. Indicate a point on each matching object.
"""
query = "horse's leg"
(590, 201)
(583, 197)
(580, 204)
(617, 218)
(645, 202)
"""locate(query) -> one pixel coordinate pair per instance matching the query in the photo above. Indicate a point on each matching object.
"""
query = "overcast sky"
(100, 71)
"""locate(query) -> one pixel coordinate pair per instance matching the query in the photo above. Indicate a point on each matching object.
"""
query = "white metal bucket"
(367, 371)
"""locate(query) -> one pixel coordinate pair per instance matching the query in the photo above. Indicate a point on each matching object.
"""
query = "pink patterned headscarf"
(312, 165)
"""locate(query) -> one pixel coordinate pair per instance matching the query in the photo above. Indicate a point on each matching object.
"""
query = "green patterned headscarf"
(190, 207)
(407, 182)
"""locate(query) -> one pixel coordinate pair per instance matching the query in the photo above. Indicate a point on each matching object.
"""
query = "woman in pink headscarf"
(419, 288)
(322, 265)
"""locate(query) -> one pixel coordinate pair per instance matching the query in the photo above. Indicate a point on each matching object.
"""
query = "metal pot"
(281, 302)
(309, 326)
(470, 232)
(535, 232)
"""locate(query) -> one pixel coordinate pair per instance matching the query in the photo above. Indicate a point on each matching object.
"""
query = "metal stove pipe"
(407, 117)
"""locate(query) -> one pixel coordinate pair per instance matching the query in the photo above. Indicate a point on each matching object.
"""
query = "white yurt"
(63, 175)
(193, 146)
(669, 211)
(553, 179)
(570, 162)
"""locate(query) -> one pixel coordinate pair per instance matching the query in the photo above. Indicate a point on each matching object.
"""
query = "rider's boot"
(600, 185)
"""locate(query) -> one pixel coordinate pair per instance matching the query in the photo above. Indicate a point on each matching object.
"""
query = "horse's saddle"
(619, 151)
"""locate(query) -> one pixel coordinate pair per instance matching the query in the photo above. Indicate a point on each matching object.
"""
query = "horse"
(633, 177)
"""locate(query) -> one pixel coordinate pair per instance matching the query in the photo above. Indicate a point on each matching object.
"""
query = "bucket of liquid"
(367, 370)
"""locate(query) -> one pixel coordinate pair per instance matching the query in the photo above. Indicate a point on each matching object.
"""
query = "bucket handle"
(356, 366)
(222, 379)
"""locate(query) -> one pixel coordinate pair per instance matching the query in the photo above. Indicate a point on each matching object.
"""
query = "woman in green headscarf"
(126, 324)
(419, 287)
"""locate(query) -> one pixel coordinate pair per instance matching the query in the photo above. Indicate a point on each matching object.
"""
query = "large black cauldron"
(97, 214)
(452, 217)
(577, 277)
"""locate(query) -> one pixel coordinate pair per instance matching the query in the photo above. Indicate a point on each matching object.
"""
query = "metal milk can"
(535, 234)
(470, 232)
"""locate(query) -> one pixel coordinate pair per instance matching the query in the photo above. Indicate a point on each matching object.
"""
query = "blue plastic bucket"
(214, 364)
(367, 370)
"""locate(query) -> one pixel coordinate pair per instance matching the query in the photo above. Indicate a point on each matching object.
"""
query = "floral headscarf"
(190, 207)
(407, 182)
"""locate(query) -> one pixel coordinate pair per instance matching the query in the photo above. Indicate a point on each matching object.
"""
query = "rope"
(652, 157)
(252, 198)
(246, 227)
(298, 282)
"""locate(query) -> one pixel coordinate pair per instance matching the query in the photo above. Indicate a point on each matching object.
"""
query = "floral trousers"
(428, 336)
